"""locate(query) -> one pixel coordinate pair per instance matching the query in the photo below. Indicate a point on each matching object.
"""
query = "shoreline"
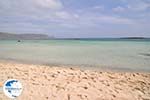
(81, 67)
(68, 83)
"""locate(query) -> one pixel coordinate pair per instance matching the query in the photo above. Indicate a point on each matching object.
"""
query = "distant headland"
(12, 36)
(134, 38)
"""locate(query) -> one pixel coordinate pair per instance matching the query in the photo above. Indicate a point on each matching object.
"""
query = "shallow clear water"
(115, 54)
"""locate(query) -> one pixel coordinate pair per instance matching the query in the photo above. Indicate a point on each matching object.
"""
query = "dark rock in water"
(145, 54)
(19, 41)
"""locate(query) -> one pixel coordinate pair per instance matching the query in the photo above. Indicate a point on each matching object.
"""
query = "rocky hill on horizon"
(12, 36)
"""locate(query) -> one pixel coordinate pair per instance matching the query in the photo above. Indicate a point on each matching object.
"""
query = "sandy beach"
(61, 83)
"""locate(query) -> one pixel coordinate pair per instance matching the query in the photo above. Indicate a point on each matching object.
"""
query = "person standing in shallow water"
(19, 40)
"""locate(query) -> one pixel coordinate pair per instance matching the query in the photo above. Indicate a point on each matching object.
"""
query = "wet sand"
(61, 83)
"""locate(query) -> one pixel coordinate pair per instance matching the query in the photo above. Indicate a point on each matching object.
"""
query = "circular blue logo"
(12, 88)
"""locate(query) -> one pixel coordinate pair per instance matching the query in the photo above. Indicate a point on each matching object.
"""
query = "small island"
(134, 38)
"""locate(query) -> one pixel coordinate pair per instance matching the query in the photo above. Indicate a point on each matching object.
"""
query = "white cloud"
(119, 9)
(116, 20)
(66, 15)
(136, 5)
(51, 4)
(29, 6)
(63, 15)
(99, 7)
(141, 6)
(76, 16)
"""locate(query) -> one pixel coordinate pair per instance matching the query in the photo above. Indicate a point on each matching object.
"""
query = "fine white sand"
(61, 83)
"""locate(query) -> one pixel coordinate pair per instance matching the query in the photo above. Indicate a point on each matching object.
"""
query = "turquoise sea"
(122, 54)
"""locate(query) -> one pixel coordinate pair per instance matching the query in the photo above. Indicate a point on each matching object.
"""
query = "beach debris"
(46, 97)
(68, 96)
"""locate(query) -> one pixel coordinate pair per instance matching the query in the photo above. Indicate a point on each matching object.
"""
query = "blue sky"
(76, 18)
